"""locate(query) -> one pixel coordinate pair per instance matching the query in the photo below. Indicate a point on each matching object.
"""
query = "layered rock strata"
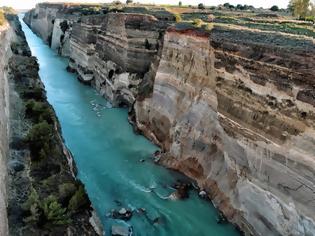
(227, 110)
(232, 108)
(113, 52)
(6, 36)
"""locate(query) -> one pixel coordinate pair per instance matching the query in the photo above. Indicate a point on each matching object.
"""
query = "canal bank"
(114, 163)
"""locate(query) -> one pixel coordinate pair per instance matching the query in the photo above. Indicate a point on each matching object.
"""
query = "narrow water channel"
(108, 153)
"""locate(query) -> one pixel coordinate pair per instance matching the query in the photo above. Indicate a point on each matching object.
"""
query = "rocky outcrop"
(6, 36)
(227, 110)
(232, 108)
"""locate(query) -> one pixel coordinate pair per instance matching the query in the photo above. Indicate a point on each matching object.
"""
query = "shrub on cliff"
(39, 139)
(66, 191)
(64, 26)
(79, 200)
(35, 93)
(38, 111)
(54, 212)
(178, 18)
(49, 210)
(2, 18)
(31, 206)
(197, 22)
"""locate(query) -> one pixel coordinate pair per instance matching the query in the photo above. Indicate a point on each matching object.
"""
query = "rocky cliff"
(227, 110)
(6, 36)
(231, 107)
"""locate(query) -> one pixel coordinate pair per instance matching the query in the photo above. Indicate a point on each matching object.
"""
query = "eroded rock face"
(230, 110)
(113, 52)
(6, 35)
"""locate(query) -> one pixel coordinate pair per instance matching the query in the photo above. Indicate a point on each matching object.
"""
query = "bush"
(54, 212)
(274, 8)
(49, 210)
(178, 18)
(201, 6)
(35, 93)
(32, 207)
(64, 26)
(66, 191)
(39, 111)
(39, 139)
(310, 18)
(78, 200)
(2, 17)
(197, 22)
(209, 26)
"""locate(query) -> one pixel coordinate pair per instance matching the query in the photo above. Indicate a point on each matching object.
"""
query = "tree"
(299, 8)
(201, 6)
(180, 3)
(274, 8)
(129, 2)
(226, 5)
(39, 139)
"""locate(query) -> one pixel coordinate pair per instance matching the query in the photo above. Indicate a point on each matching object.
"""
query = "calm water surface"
(108, 153)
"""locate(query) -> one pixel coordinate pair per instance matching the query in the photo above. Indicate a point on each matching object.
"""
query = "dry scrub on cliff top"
(2, 18)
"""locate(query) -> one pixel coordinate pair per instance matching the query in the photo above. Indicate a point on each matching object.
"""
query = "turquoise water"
(108, 153)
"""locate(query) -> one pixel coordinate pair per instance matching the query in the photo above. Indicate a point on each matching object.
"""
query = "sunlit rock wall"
(228, 111)
(5, 38)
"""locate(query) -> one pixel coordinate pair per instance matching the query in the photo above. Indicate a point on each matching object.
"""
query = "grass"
(289, 27)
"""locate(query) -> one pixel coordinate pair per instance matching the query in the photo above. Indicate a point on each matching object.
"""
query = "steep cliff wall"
(227, 110)
(113, 52)
(232, 108)
(4, 130)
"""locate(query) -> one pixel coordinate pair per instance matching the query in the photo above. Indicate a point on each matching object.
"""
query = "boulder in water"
(221, 219)
(122, 214)
(120, 230)
(203, 194)
(182, 190)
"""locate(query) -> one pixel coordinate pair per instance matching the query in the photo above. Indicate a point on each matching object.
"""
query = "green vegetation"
(39, 111)
(66, 191)
(78, 200)
(64, 26)
(3, 11)
(178, 18)
(197, 22)
(302, 8)
(201, 6)
(2, 17)
(274, 8)
(278, 26)
(49, 210)
(54, 212)
(40, 139)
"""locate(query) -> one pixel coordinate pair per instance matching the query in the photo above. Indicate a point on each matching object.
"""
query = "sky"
(25, 4)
